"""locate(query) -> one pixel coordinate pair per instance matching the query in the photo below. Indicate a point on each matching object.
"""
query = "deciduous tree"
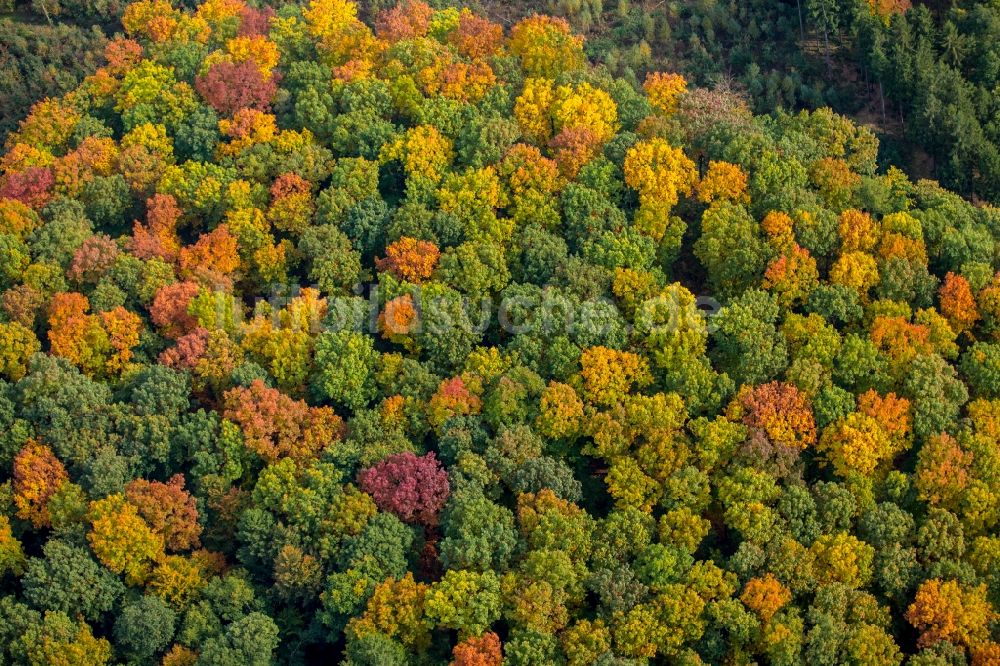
(948, 611)
(274, 425)
(38, 474)
(415, 488)
(122, 540)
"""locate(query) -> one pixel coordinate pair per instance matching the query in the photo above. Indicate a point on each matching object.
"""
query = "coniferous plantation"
(405, 337)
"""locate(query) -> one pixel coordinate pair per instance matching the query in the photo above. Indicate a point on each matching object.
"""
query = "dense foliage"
(766, 47)
(428, 342)
(41, 60)
(922, 74)
(925, 73)
(941, 70)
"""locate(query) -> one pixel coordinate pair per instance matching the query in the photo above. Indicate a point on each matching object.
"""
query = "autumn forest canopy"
(403, 336)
